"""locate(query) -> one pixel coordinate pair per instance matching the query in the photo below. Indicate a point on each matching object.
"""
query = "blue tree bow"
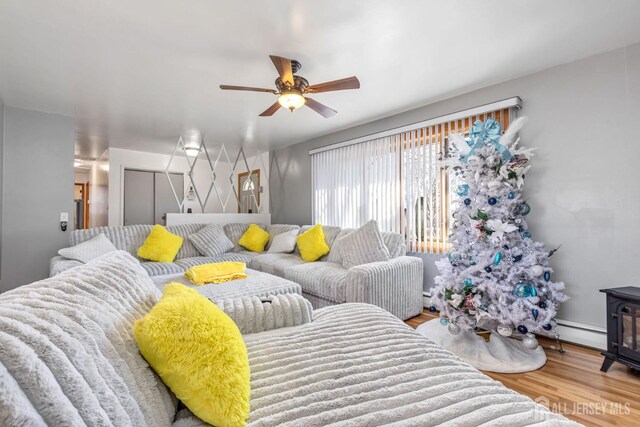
(486, 131)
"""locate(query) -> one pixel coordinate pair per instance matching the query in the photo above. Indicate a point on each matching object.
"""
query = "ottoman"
(257, 284)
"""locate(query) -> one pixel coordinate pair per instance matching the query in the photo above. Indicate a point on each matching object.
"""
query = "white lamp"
(291, 100)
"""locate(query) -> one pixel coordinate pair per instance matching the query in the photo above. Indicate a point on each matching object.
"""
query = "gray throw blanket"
(67, 353)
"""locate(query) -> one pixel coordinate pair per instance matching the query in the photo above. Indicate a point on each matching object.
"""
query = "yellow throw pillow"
(160, 245)
(312, 244)
(254, 239)
(199, 353)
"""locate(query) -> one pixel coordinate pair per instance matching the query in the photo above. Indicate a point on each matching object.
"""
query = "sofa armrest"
(58, 264)
(253, 314)
(394, 285)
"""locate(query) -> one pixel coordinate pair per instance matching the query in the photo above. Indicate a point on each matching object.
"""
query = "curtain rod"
(498, 105)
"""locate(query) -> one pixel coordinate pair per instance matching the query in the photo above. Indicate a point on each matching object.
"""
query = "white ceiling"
(136, 74)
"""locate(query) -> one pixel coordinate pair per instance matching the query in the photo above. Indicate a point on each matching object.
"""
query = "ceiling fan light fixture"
(192, 151)
(291, 100)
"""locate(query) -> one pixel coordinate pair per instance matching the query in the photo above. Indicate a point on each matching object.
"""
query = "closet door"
(138, 197)
(165, 200)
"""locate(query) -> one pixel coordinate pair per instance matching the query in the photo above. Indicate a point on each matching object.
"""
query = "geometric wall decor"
(217, 172)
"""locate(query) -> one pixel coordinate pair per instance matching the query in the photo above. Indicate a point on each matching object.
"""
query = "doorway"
(81, 205)
(148, 196)
(249, 192)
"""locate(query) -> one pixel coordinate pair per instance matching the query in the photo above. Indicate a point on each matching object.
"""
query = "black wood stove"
(623, 327)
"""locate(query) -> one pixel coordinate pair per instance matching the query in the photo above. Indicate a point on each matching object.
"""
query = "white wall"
(37, 187)
(81, 177)
(121, 159)
(583, 186)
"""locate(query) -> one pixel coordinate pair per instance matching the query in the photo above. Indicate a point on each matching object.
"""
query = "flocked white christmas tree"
(497, 276)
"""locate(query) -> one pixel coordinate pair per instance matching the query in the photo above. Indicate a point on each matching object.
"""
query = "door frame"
(136, 169)
(85, 203)
(255, 172)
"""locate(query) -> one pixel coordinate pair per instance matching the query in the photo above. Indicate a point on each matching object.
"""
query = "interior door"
(138, 197)
(165, 200)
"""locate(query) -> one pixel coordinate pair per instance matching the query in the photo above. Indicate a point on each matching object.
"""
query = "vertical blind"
(399, 180)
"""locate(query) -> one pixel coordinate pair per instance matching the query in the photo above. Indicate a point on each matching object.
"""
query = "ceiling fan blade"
(247, 88)
(319, 108)
(271, 110)
(342, 84)
(283, 65)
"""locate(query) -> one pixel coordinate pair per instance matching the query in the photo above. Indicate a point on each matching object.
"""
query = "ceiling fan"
(292, 89)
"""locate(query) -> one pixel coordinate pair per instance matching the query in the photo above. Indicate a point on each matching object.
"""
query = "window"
(399, 179)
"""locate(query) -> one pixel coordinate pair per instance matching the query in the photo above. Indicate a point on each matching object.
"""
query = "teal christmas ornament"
(468, 282)
(443, 321)
(454, 256)
(524, 209)
(511, 195)
(526, 234)
(497, 258)
(462, 190)
(547, 276)
(535, 313)
(525, 290)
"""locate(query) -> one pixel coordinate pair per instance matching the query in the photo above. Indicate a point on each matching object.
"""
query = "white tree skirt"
(499, 354)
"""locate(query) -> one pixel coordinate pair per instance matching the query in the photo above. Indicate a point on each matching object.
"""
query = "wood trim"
(255, 172)
(84, 189)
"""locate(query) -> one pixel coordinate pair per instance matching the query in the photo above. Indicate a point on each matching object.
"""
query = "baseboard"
(573, 332)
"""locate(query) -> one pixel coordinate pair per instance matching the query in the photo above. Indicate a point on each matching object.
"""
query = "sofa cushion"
(234, 232)
(283, 243)
(330, 234)
(312, 244)
(322, 279)
(394, 243)
(210, 241)
(335, 255)
(161, 245)
(254, 239)
(126, 238)
(275, 264)
(277, 229)
(187, 249)
(202, 357)
(161, 268)
(363, 246)
(88, 250)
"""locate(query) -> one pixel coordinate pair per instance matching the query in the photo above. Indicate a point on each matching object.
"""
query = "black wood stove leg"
(606, 364)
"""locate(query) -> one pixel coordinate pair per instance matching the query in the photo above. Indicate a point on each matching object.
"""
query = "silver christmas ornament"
(530, 342)
(453, 329)
(493, 161)
(537, 270)
(505, 330)
(543, 291)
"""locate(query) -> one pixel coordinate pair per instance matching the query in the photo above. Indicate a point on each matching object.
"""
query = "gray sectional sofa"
(68, 358)
(395, 285)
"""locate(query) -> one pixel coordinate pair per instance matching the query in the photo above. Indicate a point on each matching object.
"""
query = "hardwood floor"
(575, 386)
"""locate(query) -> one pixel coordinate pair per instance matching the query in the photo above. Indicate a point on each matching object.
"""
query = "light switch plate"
(64, 216)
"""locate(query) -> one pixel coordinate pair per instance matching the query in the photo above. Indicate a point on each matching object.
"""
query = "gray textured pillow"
(211, 241)
(90, 249)
(363, 246)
